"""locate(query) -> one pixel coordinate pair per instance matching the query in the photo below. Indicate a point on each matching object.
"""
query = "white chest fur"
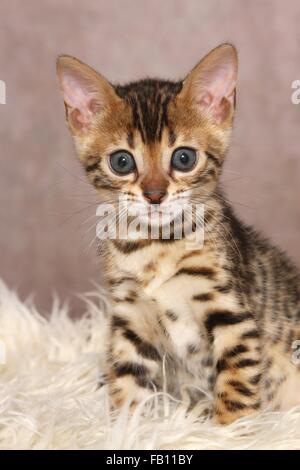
(158, 269)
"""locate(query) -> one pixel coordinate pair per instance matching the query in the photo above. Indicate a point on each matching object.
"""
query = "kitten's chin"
(156, 225)
(155, 219)
(159, 218)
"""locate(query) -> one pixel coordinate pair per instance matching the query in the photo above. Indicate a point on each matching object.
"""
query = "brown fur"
(223, 317)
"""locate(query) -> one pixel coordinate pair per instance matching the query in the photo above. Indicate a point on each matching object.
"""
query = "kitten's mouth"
(155, 210)
(158, 216)
(150, 215)
(155, 214)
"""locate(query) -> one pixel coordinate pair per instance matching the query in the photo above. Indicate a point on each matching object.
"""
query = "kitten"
(221, 317)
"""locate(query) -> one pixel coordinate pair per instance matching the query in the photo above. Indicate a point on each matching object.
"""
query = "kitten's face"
(157, 143)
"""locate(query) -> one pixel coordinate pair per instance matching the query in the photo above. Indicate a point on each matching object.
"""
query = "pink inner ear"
(79, 95)
(214, 87)
(219, 106)
(219, 82)
(205, 100)
(79, 120)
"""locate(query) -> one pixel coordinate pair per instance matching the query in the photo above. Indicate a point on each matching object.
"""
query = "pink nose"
(155, 196)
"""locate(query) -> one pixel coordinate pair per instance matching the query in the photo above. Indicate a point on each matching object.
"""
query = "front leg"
(237, 356)
(133, 358)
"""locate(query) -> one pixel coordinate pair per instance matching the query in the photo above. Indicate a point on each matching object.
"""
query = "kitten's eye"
(183, 159)
(122, 162)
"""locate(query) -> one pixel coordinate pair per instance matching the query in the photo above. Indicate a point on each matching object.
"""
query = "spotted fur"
(221, 318)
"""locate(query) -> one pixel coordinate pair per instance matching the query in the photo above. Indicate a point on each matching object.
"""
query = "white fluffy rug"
(51, 398)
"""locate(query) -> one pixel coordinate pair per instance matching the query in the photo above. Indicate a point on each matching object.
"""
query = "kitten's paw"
(225, 417)
(125, 392)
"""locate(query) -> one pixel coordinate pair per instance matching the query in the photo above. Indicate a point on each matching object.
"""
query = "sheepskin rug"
(51, 395)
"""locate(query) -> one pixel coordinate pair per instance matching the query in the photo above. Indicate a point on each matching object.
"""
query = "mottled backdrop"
(46, 209)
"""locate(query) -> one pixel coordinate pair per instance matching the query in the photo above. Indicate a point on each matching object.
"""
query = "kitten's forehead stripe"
(130, 140)
(149, 101)
(172, 138)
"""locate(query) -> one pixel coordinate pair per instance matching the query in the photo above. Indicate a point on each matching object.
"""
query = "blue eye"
(183, 159)
(122, 162)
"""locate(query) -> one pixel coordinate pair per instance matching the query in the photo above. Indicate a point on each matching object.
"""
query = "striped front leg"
(238, 363)
(133, 359)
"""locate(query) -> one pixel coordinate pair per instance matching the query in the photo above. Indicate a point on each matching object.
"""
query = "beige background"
(44, 200)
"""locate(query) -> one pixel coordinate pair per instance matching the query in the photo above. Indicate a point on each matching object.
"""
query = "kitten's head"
(154, 141)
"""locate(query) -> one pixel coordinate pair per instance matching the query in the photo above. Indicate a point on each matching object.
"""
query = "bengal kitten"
(221, 318)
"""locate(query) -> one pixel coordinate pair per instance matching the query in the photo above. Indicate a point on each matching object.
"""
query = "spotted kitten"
(223, 317)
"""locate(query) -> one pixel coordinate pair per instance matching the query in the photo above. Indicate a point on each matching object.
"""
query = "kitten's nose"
(155, 196)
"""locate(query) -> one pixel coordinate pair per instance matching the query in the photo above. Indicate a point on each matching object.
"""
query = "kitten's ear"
(211, 84)
(86, 93)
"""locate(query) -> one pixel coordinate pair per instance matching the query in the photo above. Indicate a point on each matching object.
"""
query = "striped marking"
(247, 363)
(207, 297)
(127, 247)
(255, 379)
(250, 334)
(92, 167)
(118, 322)
(241, 388)
(222, 365)
(223, 318)
(144, 348)
(204, 271)
(130, 368)
(236, 350)
(214, 159)
(171, 315)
